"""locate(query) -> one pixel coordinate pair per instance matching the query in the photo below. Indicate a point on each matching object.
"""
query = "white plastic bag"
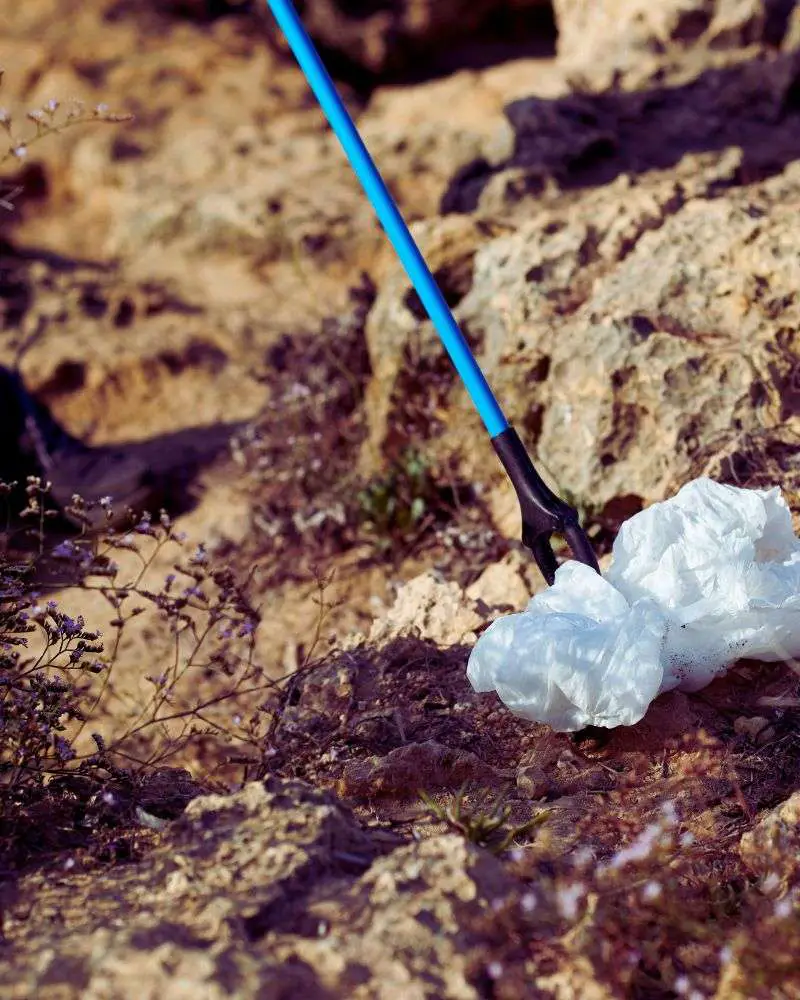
(696, 582)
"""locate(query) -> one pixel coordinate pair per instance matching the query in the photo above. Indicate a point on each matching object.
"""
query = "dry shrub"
(57, 674)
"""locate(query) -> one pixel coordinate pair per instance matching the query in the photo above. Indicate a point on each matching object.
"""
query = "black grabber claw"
(543, 513)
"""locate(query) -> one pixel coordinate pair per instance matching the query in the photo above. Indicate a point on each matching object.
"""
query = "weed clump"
(299, 455)
(395, 507)
(660, 915)
(486, 821)
(58, 676)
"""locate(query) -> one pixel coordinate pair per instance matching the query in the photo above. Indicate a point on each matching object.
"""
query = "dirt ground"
(201, 297)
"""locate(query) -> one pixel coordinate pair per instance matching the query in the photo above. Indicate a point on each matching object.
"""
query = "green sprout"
(484, 823)
(394, 506)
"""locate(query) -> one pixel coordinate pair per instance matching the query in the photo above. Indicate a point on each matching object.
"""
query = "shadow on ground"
(587, 140)
(143, 475)
(504, 33)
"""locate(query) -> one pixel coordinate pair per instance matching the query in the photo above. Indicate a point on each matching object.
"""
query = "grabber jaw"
(543, 513)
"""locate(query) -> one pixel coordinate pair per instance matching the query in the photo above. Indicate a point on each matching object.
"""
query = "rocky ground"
(607, 194)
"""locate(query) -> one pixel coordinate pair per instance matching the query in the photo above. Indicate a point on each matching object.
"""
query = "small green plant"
(394, 507)
(485, 821)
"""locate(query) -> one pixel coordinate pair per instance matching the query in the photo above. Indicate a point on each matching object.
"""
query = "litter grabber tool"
(543, 513)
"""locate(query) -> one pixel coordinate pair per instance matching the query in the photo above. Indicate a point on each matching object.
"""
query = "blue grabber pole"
(543, 513)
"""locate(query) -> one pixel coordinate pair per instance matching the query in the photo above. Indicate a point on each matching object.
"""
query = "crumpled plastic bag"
(696, 582)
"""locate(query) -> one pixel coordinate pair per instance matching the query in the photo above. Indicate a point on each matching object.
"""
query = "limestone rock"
(432, 609)
(772, 848)
(505, 585)
(601, 41)
(619, 344)
(272, 892)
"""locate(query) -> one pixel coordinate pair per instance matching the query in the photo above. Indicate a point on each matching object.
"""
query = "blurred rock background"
(607, 192)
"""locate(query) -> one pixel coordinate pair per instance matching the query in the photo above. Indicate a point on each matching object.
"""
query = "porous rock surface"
(623, 331)
(274, 891)
(625, 40)
(776, 836)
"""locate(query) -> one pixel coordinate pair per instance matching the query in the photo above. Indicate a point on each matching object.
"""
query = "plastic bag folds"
(696, 582)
